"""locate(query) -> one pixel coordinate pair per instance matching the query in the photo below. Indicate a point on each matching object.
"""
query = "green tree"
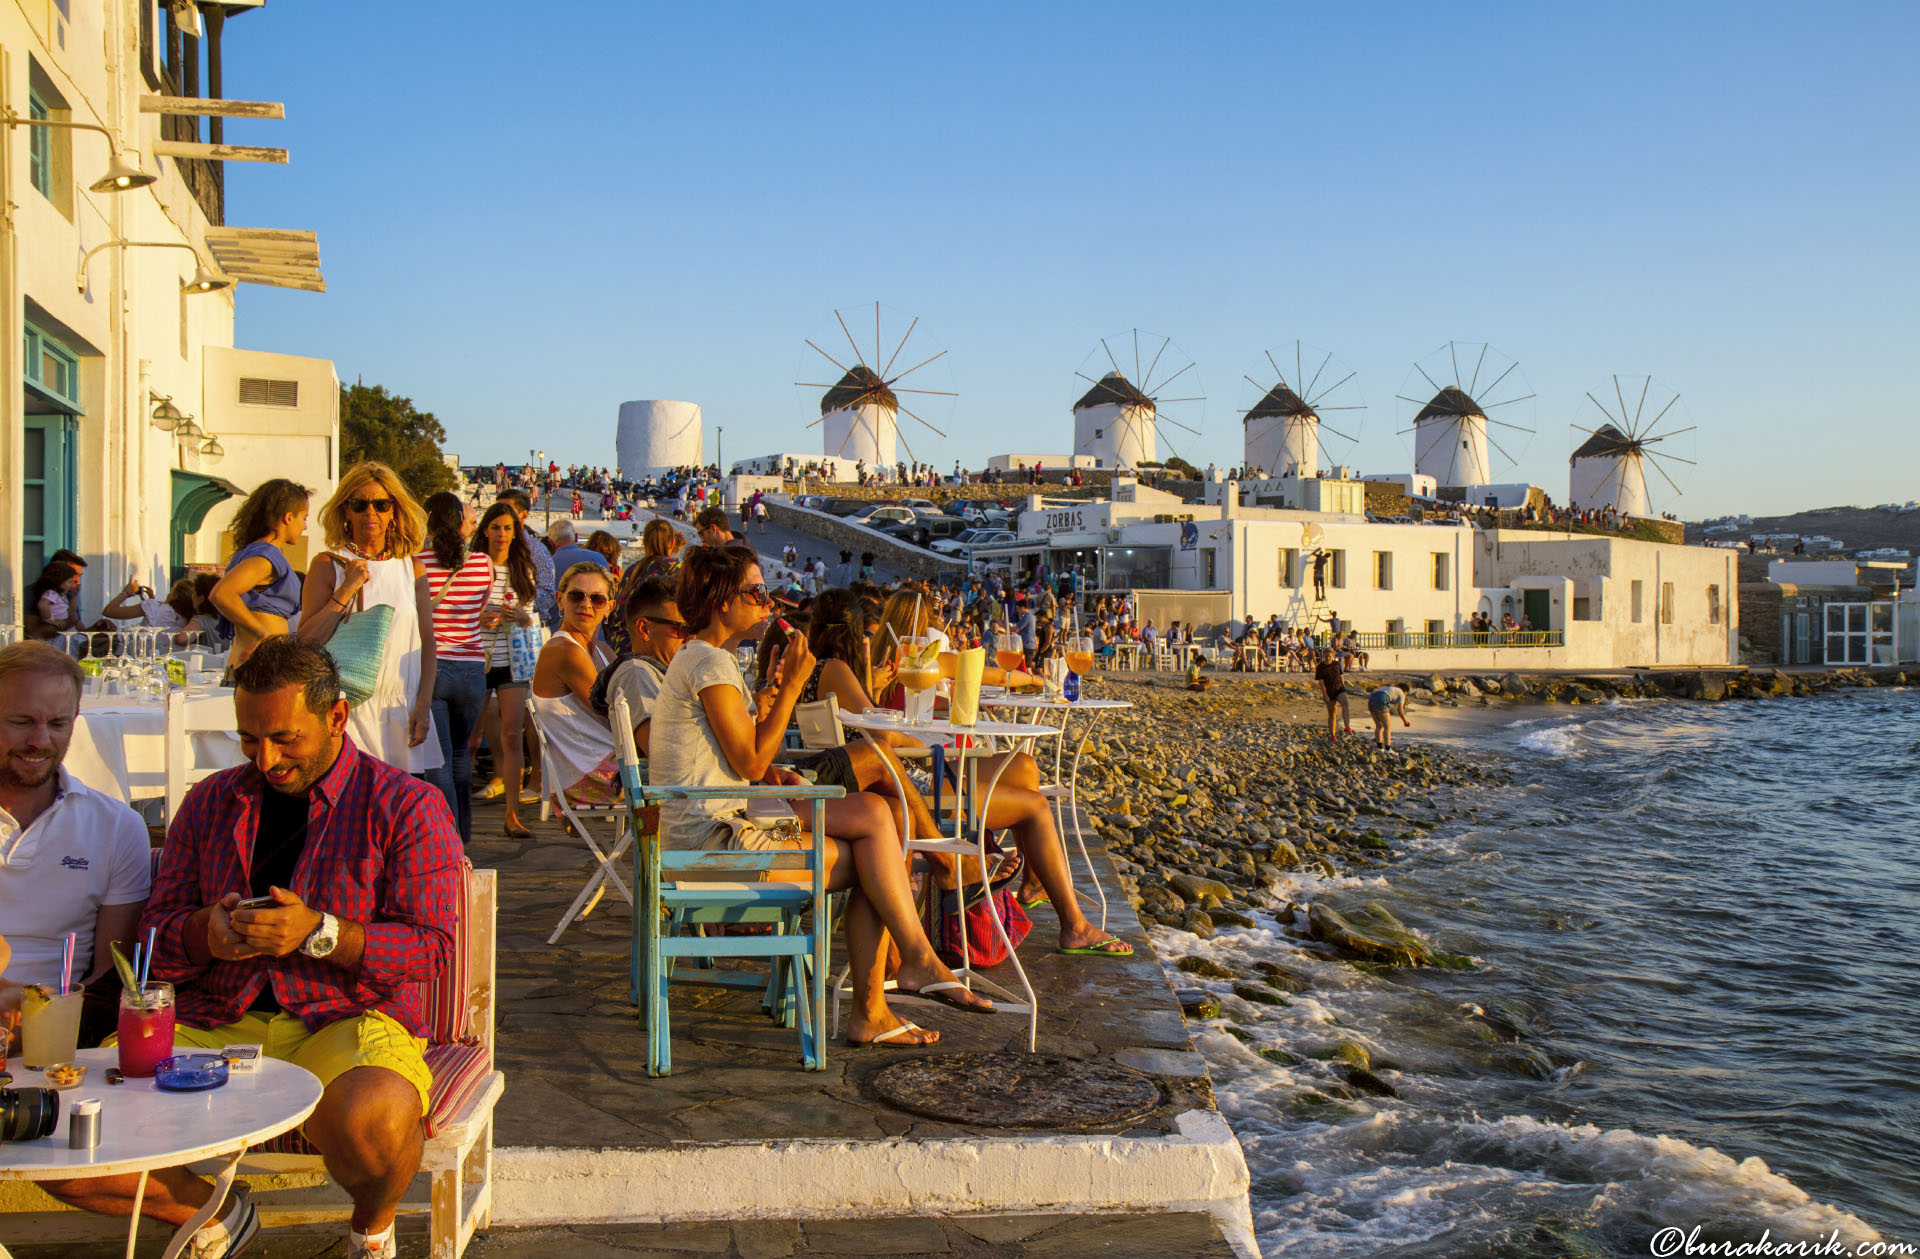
(1176, 464)
(375, 424)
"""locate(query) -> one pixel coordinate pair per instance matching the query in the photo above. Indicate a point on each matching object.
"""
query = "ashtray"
(889, 716)
(65, 1075)
(190, 1073)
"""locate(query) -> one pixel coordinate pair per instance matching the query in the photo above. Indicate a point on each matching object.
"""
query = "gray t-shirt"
(686, 752)
(1390, 698)
(638, 681)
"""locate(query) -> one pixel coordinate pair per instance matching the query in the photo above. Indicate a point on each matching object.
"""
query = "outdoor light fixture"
(166, 416)
(189, 431)
(123, 169)
(203, 280)
(212, 451)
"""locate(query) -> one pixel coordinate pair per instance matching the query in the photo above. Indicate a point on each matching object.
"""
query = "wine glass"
(1010, 652)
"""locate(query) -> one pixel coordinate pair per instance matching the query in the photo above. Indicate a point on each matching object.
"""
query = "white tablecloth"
(120, 744)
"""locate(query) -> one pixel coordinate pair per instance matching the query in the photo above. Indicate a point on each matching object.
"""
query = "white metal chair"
(819, 723)
(576, 815)
(185, 720)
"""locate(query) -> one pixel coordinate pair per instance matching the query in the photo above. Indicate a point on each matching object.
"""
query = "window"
(1803, 637)
(1846, 633)
(1337, 569)
(1289, 567)
(1639, 614)
(1441, 575)
(40, 147)
(51, 367)
(1666, 603)
(1582, 608)
(256, 392)
(1713, 605)
(1207, 568)
(1383, 570)
(1436, 628)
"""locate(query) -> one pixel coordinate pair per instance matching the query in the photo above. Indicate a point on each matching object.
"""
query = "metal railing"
(1465, 638)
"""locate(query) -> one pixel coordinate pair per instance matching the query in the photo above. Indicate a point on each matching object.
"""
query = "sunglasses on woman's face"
(381, 505)
(582, 596)
(757, 594)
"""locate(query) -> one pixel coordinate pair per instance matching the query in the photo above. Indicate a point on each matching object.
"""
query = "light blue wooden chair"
(678, 892)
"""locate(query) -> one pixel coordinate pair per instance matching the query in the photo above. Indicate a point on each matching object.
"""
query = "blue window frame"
(51, 369)
(40, 146)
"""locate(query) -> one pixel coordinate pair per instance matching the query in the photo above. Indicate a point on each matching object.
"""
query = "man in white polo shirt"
(71, 859)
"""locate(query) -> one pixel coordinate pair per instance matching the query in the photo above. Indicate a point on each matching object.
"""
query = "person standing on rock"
(1334, 683)
(1383, 704)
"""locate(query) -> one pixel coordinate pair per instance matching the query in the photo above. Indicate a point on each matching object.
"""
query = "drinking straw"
(66, 969)
(146, 961)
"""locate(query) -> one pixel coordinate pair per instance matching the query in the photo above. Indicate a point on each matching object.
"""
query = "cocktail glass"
(1080, 656)
(50, 1029)
(919, 674)
(146, 1029)
(1010, 652)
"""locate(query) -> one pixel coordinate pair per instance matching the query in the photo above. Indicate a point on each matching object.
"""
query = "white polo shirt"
(86, 851)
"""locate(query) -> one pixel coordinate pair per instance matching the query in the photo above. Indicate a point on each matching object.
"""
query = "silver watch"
(323, 937)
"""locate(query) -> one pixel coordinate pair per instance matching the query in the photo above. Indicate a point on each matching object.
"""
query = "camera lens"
(28, 1114)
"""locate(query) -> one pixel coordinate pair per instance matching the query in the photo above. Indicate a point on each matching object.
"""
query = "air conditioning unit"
(1163, 519)
(1113, 535)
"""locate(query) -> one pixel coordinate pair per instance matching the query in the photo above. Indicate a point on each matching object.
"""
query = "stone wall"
(836, 533)
(1387, 500)
(943, 494)
(1760, 622)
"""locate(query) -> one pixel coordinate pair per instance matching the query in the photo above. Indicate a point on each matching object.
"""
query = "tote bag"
(358, 647)
(523, 650)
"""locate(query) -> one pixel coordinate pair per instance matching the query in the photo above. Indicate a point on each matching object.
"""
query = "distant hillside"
(1858, 528)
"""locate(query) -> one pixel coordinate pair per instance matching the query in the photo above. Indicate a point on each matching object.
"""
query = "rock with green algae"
(1206, 968)
(1258, 994)
(1370, 932)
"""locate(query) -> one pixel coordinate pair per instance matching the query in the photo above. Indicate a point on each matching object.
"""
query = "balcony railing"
(1488, 638)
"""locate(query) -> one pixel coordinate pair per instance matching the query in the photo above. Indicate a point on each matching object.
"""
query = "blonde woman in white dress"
(372, 528)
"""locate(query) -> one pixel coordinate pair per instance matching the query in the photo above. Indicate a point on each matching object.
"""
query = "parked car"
(926, 506)
(960, 507)
(971, 538)
(879, 514)
(818, 502)
(927, 529)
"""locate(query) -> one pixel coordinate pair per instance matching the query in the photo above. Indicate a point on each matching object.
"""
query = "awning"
(194, 495)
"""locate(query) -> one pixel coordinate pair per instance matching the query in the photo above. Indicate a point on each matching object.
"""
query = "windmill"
(861, 410)
(1117, 421)
(1451, 437)
(1285, 421)
(1609, 469)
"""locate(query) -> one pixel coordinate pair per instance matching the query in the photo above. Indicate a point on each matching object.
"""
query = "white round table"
(143, 1128)
(120, 742)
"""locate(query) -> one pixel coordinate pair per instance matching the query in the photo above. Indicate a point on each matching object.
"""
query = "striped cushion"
(445, 998)
(458, 1073)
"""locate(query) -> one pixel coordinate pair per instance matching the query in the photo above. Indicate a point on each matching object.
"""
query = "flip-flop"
(931, 991)
(1101, 949)
(1036, 901)
(891, 1033)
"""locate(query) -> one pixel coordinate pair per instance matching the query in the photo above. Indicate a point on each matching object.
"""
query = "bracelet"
(335, 603)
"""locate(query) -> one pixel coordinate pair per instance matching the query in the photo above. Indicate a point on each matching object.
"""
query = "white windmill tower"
(861, 411)
(1451, 437)
(1117, 421)
(1609, 469)
(1285, 422)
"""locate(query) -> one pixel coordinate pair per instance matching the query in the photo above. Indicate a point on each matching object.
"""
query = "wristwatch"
(323, 937)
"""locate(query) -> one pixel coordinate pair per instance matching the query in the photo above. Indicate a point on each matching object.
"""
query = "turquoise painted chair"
(678, 892)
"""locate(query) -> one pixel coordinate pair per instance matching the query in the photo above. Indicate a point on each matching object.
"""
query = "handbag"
(359, 647)
(523, 650)
(984, 947)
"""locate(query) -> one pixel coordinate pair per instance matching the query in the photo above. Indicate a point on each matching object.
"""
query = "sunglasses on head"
(381, 505)
(757, 594)
(583, 596)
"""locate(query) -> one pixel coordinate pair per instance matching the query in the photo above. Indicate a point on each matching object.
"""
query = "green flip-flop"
(1102, 949)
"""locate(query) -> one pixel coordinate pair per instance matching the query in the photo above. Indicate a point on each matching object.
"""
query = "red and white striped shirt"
(456, 615)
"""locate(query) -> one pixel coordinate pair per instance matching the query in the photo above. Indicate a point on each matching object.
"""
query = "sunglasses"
(381, 505)
(582, 596)
(757, 594)
(677, 629)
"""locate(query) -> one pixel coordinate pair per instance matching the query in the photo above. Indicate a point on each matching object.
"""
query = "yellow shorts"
(366, 1040)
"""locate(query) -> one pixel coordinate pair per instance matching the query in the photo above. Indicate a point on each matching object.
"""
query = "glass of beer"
(1010, 653)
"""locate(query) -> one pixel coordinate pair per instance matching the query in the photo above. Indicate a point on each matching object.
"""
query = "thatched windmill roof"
(1451, 403)
(1607, 441)
(859, 387)
(1114, 389)
(1282, 403)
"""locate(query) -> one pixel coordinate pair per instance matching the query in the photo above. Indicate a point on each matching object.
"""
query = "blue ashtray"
(190, 1073)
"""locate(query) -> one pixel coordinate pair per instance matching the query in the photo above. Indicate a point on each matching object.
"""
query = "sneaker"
(360, 1246)
(231, 1234)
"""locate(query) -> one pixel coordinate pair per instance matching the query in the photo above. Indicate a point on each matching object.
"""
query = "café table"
(968, 743)
(1094, 709)
(120, 742)
(143, 1127)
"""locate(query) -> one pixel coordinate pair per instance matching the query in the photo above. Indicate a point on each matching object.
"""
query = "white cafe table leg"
(1072, 804)
(133, 1221)
(184, 1234)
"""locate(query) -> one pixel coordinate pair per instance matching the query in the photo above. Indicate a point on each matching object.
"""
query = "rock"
(1198, 889)
(1280, 1056)
(1220, 915)
(1284, 854)
(1367, 1082)
(1259, 994)
(1351, 1052)
(1525, 1060)
(1206, 968)
(1197, 922)
(1267, 872)
(1588, 695)
(1491, 686)
(1280, 977)
(1437, 684)
(1373, 934)
(1513, 684)
(1197, 1003)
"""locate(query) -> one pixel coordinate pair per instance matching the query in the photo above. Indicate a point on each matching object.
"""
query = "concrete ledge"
(1199, 1168)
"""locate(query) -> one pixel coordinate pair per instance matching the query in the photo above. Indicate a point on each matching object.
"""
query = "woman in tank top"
(578, 744)
(260, 593)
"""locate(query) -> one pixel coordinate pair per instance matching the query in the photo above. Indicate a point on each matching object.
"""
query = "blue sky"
(529, 213)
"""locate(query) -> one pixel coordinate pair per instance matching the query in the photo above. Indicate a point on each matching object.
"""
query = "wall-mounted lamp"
(188, 430)
(166, 416)
(213, 450)
(123, 169)
(202, 281)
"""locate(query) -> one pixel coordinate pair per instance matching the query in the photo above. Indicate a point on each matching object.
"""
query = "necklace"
(350, 547)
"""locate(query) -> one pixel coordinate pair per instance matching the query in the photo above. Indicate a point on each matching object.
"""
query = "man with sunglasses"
(655, 628)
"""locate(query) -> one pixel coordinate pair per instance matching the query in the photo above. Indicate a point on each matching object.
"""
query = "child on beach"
(1333, 681)
(1382, 704)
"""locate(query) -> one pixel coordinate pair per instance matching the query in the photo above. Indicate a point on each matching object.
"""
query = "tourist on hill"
(461, 581)
(1383, 703)
(510, 605)
(707, 736)
(373, 529)
(1333, 684)
(260, 593)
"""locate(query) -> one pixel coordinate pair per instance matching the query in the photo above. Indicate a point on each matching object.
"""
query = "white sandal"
(891, 1034)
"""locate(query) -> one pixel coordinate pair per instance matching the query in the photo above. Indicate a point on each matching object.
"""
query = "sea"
(1693, 1011)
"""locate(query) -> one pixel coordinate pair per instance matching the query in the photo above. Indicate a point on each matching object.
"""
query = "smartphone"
(258, 902)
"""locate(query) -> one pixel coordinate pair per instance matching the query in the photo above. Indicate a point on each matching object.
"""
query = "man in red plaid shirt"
(358, 864)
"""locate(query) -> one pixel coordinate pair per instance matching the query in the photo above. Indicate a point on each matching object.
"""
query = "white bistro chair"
(577, 815)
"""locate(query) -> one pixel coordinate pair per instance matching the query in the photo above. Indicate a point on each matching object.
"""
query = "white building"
(1283, 435)
(810, 466)
(1450, 440)
(126, 185)
(861, 420)
(1608, 471)
(1020, 461)
(655, 437)
(1115, 425)
(1593, 601)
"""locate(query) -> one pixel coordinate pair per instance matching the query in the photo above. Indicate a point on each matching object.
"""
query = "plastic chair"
(686, 888)
(576, 814)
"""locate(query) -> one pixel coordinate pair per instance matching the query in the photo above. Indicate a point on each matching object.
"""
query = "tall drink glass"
(1080, 655)
(146, 1029)
(50, 1030)
(919, 673)
(1010, 652)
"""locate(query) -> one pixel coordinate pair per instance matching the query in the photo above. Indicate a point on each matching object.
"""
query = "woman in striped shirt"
(459, 580)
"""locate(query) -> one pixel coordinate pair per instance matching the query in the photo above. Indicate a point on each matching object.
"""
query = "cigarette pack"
(242, 1059)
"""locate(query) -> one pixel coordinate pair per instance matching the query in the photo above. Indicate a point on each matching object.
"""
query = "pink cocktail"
(146, 1029)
